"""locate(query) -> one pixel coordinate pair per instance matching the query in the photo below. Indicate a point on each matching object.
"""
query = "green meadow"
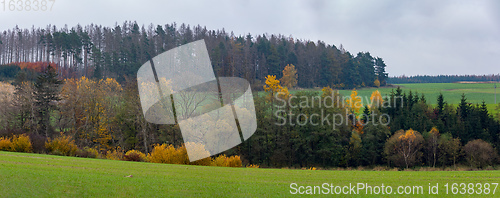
(36, 175)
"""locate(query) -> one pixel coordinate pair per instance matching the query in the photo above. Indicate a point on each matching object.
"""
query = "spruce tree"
(440, 104)
(46, 95)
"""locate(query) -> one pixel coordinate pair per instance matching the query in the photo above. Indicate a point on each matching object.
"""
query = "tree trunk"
(144, 135)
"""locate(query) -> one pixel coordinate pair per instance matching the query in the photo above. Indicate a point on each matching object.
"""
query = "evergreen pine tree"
(46, 94)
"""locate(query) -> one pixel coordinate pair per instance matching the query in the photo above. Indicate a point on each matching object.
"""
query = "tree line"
(416, 134)
(117, 52)
(442, 78)
(105, 115)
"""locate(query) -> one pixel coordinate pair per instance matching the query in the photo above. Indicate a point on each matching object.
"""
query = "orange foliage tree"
(35, 66)
(289, 78)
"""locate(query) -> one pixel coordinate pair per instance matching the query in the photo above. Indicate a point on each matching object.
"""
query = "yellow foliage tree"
(408, 145)
(354, 102)
(272, 86)
(376, 99)
(289, 78)
(376, 83)
(335, 97)
(432, 144)
(327, 91)
(90, 106)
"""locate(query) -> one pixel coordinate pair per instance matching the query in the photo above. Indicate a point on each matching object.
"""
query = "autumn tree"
(90, 108)
(289, 78)
(376, 99)
(326, 91)
(432, 144)
(479, 153)
(6, 109)
(376, 83)
(46, 94)
(354, 102)
(275, 90)
(403, 148)
(329, 96)
(24, 103)
(272, 86)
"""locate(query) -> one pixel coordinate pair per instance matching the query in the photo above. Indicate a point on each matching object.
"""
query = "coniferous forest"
(117, 52)
(73, 91)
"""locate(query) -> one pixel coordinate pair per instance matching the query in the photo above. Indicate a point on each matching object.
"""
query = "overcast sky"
(413, 37)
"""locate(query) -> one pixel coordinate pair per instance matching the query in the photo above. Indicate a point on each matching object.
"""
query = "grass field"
(452, 92)
(34, 175)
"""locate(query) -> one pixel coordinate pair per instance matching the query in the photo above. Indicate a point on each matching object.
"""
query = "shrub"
(114, 155)
(21, 143)
(223, 160)
(162, 154)
(134, 155)
(479, 153)
(219, 160)
(168, 154)
(233, 161)
(5, 144)
(62, 145)
(253, 166)
(87, 152)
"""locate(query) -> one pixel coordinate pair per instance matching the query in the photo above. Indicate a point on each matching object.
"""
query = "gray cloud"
(413, 37)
